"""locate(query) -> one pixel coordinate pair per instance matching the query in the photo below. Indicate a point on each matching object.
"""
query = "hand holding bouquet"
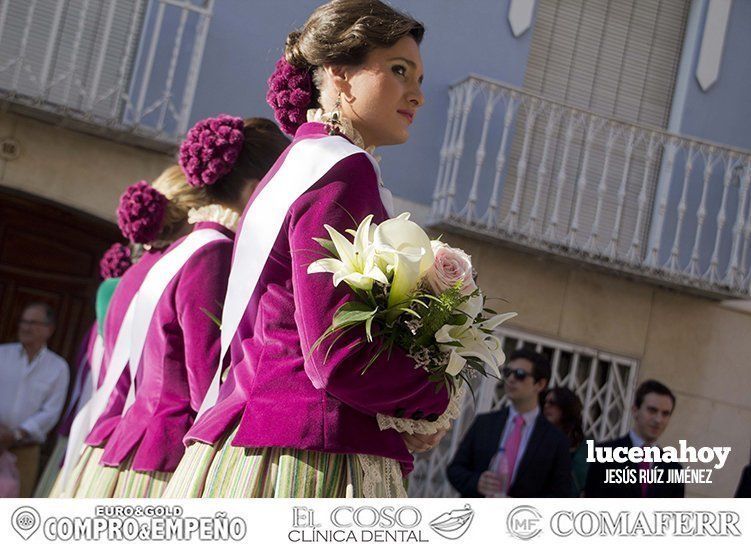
(414, 293)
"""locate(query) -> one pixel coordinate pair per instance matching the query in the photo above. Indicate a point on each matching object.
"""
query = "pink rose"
(450, 267)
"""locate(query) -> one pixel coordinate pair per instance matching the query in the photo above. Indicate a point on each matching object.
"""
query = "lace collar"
(215, 213)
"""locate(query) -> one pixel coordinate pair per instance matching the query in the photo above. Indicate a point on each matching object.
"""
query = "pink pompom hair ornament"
(116, 260)
(141, 212)
(211, 149)
(290, 95)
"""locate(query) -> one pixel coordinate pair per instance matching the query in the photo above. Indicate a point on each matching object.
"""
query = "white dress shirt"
(32, 393)
(529, 424)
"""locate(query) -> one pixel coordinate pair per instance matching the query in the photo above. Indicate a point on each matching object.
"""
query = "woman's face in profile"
(385, 93)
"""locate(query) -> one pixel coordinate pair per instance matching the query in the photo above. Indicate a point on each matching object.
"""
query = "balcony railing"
(127, 68)
(571, 182)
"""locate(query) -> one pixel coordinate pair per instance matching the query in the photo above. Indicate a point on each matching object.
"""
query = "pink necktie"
(512, 446)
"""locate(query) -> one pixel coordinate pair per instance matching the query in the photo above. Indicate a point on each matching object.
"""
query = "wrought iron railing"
(520, 168)
(123, 66)
(603, 381)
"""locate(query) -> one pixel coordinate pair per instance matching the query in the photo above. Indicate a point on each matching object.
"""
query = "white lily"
(472, 306)
(474, 342)
(406, 251)
(357, 264)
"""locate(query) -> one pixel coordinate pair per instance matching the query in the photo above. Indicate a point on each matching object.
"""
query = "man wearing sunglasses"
(536, 451)
(33, 386)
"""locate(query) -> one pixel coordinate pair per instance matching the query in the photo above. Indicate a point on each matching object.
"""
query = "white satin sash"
(130, 341)
(85, 386)
(306, 163)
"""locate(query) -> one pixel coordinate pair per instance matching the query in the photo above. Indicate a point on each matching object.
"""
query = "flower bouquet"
(415, 293)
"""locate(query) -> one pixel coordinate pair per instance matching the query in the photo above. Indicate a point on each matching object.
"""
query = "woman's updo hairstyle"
(181, 197)
(345, 31)
(156, 213)
(262, 144)
(340, 32)
(221, 154)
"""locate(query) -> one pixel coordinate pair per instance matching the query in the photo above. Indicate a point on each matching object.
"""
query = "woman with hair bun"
(115, 261)
(222, 159)
(152, 215)
(286, 423)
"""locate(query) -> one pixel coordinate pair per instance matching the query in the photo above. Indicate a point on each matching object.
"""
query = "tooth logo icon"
(453, 524)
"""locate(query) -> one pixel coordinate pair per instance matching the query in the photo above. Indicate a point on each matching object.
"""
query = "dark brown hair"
(344, 31)
(540, 363)
(571, 414)
(653, 386)
(263, 144)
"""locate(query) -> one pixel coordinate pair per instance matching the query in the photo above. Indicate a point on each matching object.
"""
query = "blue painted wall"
(721, 114)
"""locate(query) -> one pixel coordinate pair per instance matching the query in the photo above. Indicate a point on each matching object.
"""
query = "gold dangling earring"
(335, 121)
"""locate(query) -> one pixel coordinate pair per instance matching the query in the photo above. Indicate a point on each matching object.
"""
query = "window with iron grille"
(604, 382)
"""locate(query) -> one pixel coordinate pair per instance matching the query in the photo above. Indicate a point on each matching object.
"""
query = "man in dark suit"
(744, 486)
(537, 452)
(653, 406)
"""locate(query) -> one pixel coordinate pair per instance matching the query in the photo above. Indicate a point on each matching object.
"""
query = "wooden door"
(50, 253)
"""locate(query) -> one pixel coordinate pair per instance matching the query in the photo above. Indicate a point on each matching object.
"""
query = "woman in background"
(563, 409)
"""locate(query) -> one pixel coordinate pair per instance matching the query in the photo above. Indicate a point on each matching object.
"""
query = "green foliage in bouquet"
(398, 302)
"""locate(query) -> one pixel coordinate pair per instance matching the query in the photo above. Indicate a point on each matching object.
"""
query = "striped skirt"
(228, 471)
(74, 481)
(90, 479)
(134, 484)
(49, 476)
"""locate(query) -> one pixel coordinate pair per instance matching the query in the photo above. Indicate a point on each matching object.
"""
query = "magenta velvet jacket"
(278, 392)
(82, 370)
(180, 357)
(124, 292)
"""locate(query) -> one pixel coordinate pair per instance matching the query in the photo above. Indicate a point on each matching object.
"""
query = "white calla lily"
(456, 364)
(405, 249)
(497, 320)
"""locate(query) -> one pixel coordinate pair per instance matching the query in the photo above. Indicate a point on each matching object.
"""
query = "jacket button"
(399, 412)
(418, 414)
(432, 417)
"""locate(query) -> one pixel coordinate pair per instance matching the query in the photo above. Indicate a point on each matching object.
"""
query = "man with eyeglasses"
(536, 451)
(33, 386)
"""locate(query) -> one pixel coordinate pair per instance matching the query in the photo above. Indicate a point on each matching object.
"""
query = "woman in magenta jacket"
(287, 423)
(159, 222)
(181, 348)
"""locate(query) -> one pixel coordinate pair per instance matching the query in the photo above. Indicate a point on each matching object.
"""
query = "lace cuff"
(422, 426)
